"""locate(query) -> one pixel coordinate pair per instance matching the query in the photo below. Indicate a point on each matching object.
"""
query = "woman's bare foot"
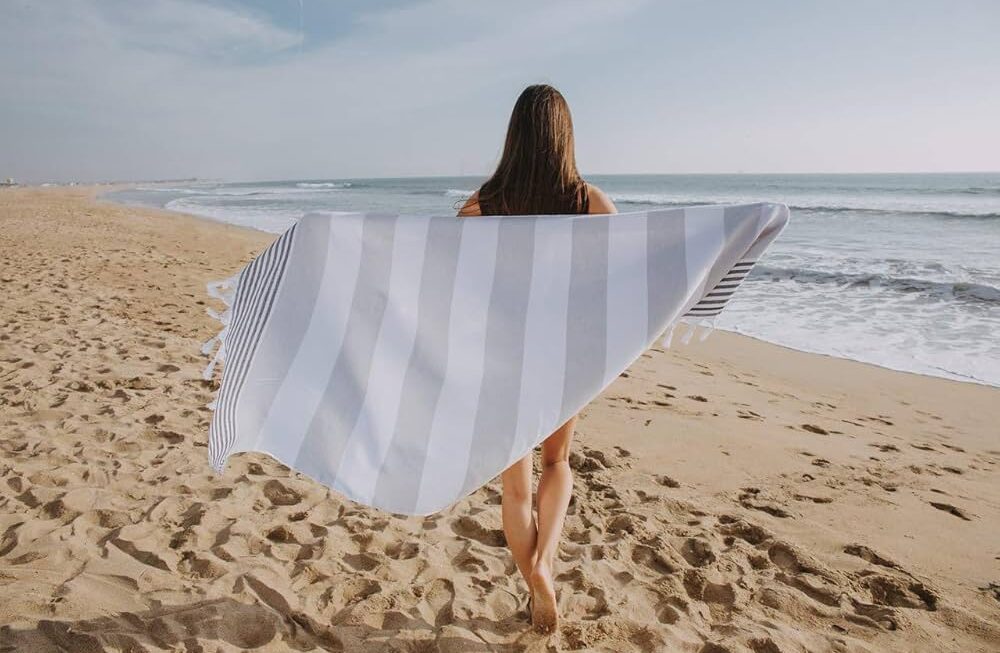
(544, 616)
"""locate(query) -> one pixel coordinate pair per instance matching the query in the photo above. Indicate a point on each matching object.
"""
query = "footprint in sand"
(763, 645)
(281, 535)
(468, 562)
(619, 524)
(667, 613)
(813, 499)
(882, 419)
(402, 550)
(469, 528)
(281, 495)
(145, 557)
(592, 460)
(651, 559)
(362, 561)
(749, 497)
(699, 588)
(866, 554)
(437, 606)
(255, 469)
(993, 589)
(898, 593)
(746, 531)
(171, 437)
(953, 510)
(697, 552)
(199, 568)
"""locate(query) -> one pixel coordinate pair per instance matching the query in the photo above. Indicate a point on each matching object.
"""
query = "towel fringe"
(224, 291)
(668, 335)
(709, 324)
(690, 326)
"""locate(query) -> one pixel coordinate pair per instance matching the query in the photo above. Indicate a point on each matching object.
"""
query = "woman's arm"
(599, 202)
(471, 206)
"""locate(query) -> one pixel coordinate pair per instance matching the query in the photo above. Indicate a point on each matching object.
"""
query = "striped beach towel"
(405, 361)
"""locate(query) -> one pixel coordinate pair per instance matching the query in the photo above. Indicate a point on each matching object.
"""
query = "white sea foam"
(324, 184)
(455, 192)
(164, 189)
(949, 206)
(271, 220)
(875, 329)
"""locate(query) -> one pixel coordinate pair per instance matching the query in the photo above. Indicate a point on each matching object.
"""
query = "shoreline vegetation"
(730, 495)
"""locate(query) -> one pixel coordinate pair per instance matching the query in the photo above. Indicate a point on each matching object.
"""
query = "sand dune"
(731, 496)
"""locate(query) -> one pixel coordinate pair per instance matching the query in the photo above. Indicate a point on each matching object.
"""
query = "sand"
(730, 495)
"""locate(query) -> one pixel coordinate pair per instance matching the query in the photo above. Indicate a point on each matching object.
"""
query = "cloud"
(175, 87)
(183, 27)
(194, 29)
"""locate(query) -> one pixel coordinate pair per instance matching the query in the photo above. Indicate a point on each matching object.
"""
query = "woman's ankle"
(542, 566)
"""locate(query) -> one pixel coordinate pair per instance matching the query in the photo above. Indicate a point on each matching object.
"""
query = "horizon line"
(471, 176)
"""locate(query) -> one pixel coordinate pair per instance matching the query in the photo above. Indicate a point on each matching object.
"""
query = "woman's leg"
(554, 491)
(518, 521)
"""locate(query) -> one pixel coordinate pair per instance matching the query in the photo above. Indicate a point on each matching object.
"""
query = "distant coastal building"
(8, 182)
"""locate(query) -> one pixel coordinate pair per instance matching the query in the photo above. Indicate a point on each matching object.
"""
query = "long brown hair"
(537, 172)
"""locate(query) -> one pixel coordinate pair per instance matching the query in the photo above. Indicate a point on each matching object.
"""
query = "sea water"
(901, 271)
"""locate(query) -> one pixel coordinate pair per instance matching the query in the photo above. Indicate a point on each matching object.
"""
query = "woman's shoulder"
(471, 206)
(598, 201)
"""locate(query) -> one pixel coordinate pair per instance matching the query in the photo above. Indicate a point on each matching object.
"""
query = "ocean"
(898, 270)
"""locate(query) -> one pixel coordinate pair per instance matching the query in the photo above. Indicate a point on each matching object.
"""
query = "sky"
(96, 90)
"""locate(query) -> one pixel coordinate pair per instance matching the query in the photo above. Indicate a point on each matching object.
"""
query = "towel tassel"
(224, 291)
(668, 335)
(690, 329)
(709, 324)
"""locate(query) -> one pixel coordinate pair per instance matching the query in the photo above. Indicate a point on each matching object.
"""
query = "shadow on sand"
(242, 626)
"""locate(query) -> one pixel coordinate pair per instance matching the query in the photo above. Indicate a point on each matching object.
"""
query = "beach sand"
(731, 495)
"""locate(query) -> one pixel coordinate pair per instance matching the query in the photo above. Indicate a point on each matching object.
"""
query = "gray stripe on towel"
(587, 311)
(398, 483)
(343, 397)
(496, 419)
(293, 312)
(666, 276)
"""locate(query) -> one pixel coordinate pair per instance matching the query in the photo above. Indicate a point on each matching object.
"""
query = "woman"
(537, 175)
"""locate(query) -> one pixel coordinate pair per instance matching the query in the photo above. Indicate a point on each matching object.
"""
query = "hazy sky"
(120, 89)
